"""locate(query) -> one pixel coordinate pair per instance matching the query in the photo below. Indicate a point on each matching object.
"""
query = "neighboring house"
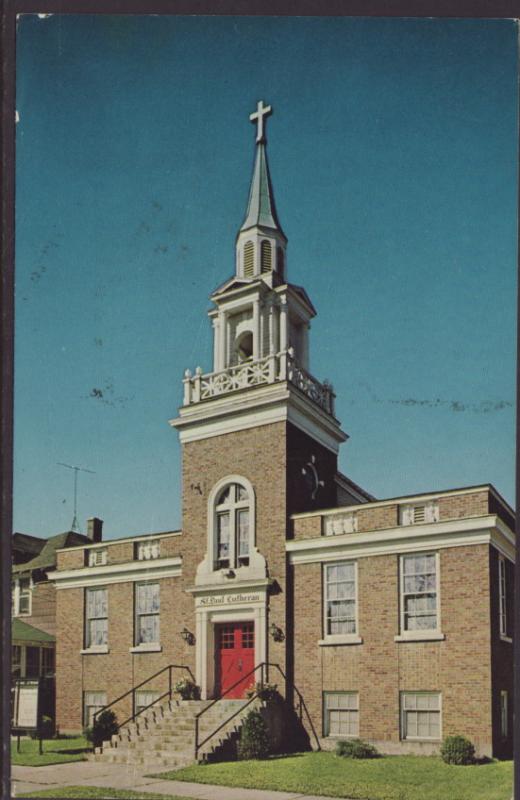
(34, 600)
(393, 617)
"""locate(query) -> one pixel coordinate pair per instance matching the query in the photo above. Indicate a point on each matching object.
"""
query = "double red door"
(235, 658)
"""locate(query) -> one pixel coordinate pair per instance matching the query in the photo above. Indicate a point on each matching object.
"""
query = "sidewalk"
(124, 776)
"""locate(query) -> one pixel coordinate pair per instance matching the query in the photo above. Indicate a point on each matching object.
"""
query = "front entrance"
(234, 657)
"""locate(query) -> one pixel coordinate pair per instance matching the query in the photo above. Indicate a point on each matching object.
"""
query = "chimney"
(94, 529)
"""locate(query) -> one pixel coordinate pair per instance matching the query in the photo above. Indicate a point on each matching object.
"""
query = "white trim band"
(118, 573)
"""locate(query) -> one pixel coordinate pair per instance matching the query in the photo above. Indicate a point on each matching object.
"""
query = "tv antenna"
(75, 524)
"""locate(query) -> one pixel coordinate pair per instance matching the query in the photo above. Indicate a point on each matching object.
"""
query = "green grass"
(88, 792)
(55, 751)
(388, 778)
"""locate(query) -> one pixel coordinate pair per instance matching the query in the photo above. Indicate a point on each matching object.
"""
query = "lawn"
(55, 751)
(88, 792)
(388, 778)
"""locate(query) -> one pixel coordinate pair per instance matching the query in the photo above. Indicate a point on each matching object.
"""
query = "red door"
(235, 657)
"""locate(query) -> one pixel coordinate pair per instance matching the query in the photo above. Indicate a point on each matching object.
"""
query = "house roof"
(47, 555)
(23, 632)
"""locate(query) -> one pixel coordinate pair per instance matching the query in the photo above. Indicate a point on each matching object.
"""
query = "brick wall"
(43, 607)
(501, 655)
(379, 668)
(463, 505)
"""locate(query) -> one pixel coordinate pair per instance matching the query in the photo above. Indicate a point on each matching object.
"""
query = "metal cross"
(258, 117)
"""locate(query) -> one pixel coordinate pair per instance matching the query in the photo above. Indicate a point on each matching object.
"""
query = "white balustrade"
(336, 524)
(267, 370)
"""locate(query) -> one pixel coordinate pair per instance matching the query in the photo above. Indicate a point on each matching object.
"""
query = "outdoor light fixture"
(276, 632)
(188, 637)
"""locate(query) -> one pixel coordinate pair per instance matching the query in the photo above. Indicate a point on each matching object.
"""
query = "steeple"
(261, 242)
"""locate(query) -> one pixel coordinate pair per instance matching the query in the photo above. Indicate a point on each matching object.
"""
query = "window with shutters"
(249, 260)
(265, 256)
(421, 715)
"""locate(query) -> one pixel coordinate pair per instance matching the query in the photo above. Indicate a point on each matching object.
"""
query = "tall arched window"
(265, 256)
(232, 526)
(280, 262)
(249, 259)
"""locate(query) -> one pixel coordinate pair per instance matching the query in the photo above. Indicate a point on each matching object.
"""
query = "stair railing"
(264, 670)
(133, 690)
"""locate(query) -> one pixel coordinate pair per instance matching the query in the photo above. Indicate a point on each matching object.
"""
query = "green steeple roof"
(261, 210)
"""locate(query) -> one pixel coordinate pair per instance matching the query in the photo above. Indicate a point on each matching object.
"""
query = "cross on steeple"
(258, 117)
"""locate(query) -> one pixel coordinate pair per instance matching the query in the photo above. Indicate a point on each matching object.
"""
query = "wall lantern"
(276, 632)
(188, 636)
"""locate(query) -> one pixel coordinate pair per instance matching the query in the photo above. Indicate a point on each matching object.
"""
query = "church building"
(388, 619)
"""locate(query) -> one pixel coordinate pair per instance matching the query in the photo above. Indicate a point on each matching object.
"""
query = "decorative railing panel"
(267, 370)
(336, 524)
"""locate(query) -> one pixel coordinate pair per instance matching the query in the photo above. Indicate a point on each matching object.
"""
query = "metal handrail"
(264, 665)
(132, 691)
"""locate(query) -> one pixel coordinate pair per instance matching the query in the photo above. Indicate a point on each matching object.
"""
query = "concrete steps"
(165, 736)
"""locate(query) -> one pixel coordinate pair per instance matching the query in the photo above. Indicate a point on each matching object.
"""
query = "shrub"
(187, 689)
(254, 741)
(457, 750)
(355, 748)
(103, 728)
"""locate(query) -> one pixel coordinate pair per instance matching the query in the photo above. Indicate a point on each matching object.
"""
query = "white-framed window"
(144, 698)
(504, 727)
(416, 513)
(340, 598)
(97, 557)
(22, 596)
(341, 713)
(336, 524)
(145, 551)
(147, 611)
(232, 517)
(419, 592)
(92, 702)
(96, 618)
(421, 715)
(502, 595)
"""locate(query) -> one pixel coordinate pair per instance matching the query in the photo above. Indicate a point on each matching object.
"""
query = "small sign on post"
(26, 708)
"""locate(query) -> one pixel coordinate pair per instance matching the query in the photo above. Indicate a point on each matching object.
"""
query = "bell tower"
(259, 442)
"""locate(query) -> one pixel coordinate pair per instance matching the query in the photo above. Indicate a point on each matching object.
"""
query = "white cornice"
(436, 535)
(233, 587)
(118, 573)
(251, 408)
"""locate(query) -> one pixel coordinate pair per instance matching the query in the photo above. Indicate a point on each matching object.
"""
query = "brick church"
(391, 619)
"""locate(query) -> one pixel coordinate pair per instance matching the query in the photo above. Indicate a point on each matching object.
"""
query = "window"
(143, 699)
(92, 702)
(280, 261)
(32, 662)
(503, 714)
(502, 595)
(97, 557)
(96, 619)
(419, 593)
(341, 717)
(16, 661)
(22, 595)
(147, 606)
(249, 259)
(232, 527)
(265, 256)
(336, 524)
(340, 598)
(414, 514)
(146, 551)
(420, 715)
(47, 661)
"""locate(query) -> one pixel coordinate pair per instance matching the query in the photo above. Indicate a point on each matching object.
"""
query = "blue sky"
(394, 161)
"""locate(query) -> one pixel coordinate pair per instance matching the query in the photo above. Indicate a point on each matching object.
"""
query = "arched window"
(280, 262)
(265, 256)
(249, 259)
(244, 347)
(232, 526)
